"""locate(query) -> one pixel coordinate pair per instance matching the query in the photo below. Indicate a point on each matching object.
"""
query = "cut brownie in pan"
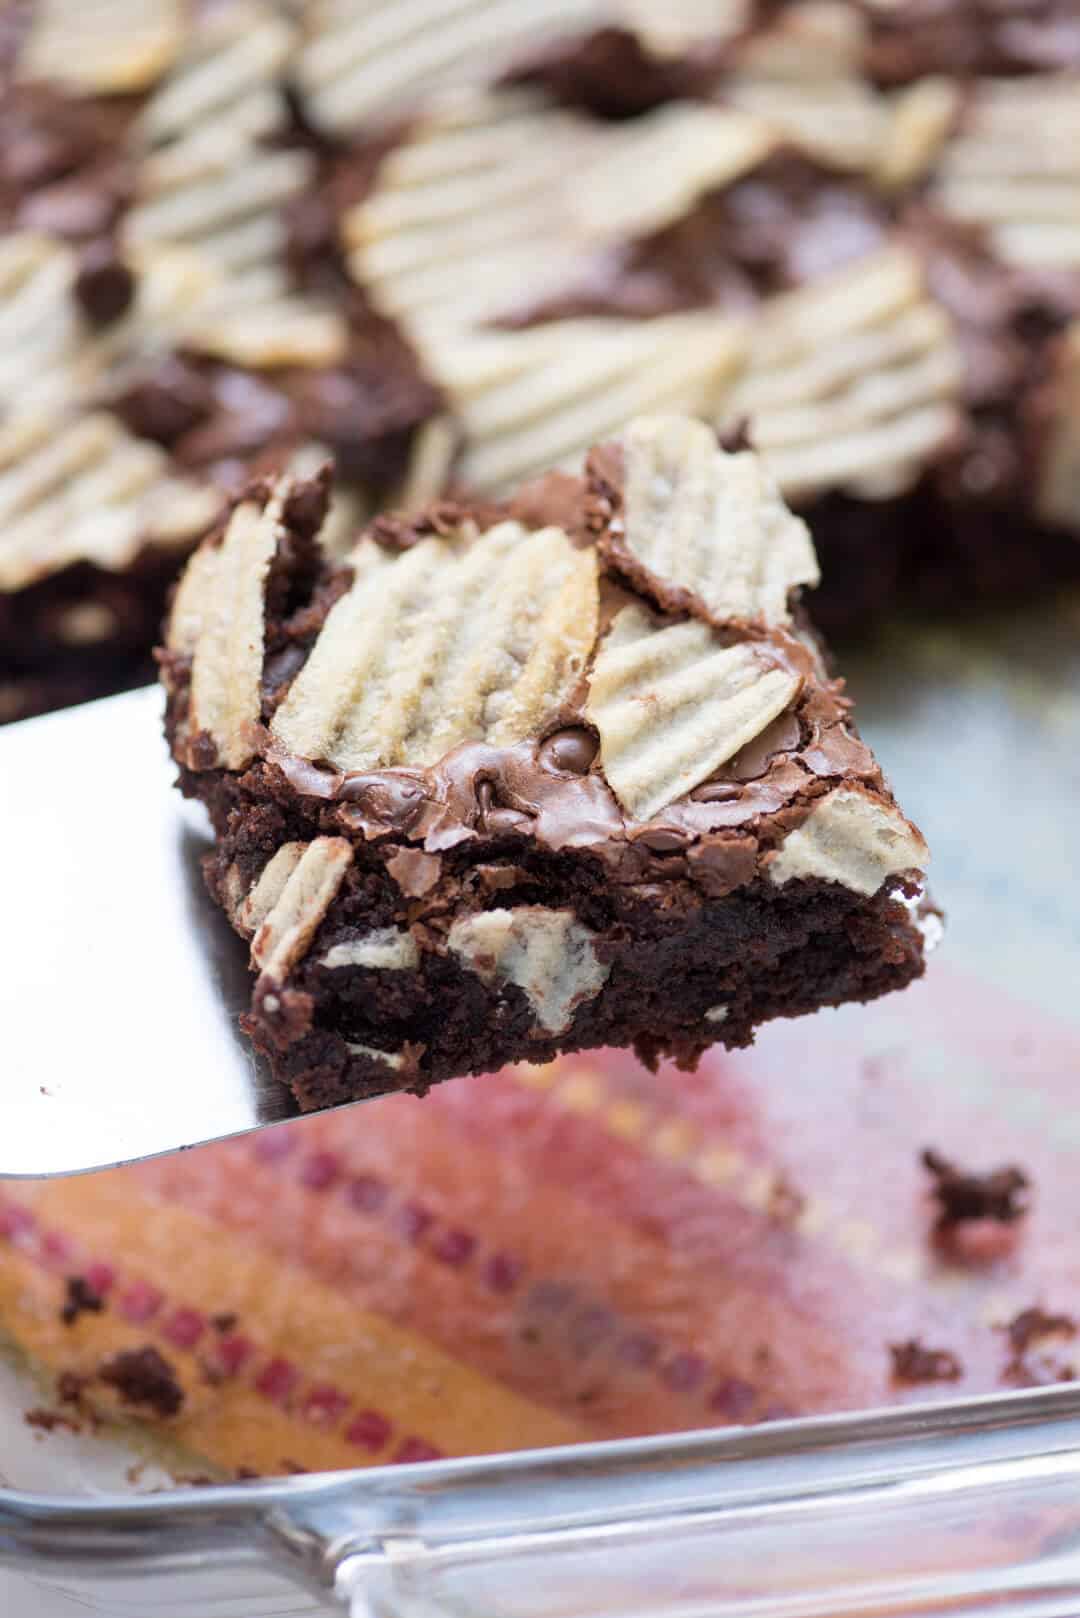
(512, 780)
(163, 335)
(401, 233)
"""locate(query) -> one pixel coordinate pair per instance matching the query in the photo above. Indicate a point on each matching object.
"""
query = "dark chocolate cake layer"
(522, 778)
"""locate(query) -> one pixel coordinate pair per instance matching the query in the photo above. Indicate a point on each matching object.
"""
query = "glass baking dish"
(973, 1507)
(946, 1506)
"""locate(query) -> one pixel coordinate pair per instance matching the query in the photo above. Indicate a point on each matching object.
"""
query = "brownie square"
(558, 773)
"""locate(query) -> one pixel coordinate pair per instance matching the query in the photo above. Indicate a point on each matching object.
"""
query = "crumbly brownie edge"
(384, 1029)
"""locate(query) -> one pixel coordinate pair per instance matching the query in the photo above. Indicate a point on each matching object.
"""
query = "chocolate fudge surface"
(555, 772)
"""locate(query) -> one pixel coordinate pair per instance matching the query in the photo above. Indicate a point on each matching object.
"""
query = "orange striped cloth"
(581, 1250)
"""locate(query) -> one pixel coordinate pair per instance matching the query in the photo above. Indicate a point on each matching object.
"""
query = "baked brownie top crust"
(631, 678)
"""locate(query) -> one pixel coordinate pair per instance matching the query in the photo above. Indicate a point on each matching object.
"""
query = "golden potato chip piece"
(458, 639)
(672, 703)
(1014, 169)
(384, 949)
(709, 522)
(103, 47)
(921, 119)
(227, 77)
(220, 198)
(529, 400)
(286, 931)
(853, 838)
(252, 911)
(853, 381)
(549, 954)
(676, 155)
(804, 76)
(218, 616)
(85, 489)
(365, 63)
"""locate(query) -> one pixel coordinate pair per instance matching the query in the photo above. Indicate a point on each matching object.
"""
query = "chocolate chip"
(571, 752)
(166, 401)
(398, 802)
(280, 668)
(498, 820)
(717, 792)
(662, 841)
(104, 284)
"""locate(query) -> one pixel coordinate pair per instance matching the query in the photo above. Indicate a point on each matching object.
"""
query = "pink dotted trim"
(277, 1379)
(184, 1327)
(369, 1430)
(324, 1405)
(415, 1449)
(140, 1302)
(101, 1277)
(319, 1171)
(233, 1352)
(454, 1247)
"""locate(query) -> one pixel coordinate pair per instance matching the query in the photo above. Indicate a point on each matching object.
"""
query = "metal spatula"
(120, 981)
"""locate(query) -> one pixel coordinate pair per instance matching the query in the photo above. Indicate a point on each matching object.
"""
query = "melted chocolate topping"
(552, 789)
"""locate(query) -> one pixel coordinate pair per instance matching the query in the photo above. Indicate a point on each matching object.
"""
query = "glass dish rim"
(874, 1430)
(365, 1538)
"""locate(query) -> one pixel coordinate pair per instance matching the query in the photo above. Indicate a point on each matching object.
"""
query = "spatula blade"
(121, 983)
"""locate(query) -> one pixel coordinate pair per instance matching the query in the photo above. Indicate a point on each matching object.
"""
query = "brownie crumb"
(1030, 1326)
(142, 1376)
(70, 1387)
(786, 1202)
(80, 1299)
(225, 1322)
(1001, 1195)
(47, 1421)
(913, 1363)
(247, 1474)
(1030, 1365)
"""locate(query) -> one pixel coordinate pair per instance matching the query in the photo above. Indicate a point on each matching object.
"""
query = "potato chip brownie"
(557, 773)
